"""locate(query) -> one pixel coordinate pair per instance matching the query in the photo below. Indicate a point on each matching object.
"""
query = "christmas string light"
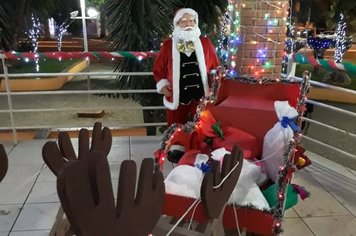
(222, 50)
(234, 37)
(288, 168)
(340, 45)
(34, 34)
(61, 30)
(51, 26)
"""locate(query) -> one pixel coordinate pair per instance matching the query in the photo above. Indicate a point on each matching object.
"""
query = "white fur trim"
(177, 147)
(202, 66)
(161, 84)
(176, 72)
(180, 14)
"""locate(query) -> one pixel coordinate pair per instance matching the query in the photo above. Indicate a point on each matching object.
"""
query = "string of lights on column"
(234, 37)
(34, 34)
(260, 31)
(340, 45)
(222, 48)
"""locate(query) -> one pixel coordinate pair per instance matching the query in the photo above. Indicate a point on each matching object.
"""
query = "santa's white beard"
(186, 35)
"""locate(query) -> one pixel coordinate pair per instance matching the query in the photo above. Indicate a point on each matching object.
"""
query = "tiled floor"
(29, 201)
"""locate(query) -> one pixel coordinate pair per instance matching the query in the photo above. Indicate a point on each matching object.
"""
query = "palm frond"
(137, 25)
(209, 11)
(6, 26)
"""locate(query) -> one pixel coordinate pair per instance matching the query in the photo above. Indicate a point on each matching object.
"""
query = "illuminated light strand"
(62, 29)
(234, 37)
(222, 50)
(34, 34)
(287, 169)
(340, 45)
(272, 5)
(267, 38)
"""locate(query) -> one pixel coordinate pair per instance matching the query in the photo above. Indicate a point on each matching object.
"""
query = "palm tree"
(6, 32)
(140, 25)
(209, 12)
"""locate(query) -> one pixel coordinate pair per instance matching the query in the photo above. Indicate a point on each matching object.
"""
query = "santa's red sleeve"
(213, 60)
(160, 68)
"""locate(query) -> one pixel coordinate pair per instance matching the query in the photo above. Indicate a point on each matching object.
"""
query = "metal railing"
(11, 110)
(15, 127)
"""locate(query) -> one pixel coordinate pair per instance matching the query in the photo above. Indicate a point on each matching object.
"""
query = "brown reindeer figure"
(3, 162)
(214, 198)
(57, 156)
(101, 141)
(86, 195)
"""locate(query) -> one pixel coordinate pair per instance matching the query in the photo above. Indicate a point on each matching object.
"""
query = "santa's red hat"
(181, 12)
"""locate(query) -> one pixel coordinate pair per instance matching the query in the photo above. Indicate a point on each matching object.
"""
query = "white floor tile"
(120, 142)
(37, 217)
(46, 175)
(119, 154)
(290, 213)
(8, 146)
(347, 199)
(21, 173)
(27, 153)
(304, 179)
(143, 147)
(320, 203)
(15, 193)
(30, 233)
(320, 163)
(331, 180)
(295, 227)
(43, 192)
(8, 214)
(332, 225)
(115, 169)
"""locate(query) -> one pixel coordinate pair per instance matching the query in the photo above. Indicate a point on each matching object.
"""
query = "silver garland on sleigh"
(288, 156)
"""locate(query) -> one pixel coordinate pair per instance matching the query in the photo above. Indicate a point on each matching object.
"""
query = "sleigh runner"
(246, 110)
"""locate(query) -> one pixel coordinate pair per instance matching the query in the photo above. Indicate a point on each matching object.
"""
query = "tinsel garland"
(71, 55)
(190, 125)
(288, 168)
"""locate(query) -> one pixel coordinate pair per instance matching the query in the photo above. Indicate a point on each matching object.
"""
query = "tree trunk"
(47, 34)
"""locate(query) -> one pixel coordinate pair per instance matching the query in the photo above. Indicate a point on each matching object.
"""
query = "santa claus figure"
(182, 66)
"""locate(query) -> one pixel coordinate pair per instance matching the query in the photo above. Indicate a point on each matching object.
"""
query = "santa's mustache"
(187, 28)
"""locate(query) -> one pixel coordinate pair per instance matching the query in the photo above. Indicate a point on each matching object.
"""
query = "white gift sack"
(184, 180)
(249, 174)
(276, 140)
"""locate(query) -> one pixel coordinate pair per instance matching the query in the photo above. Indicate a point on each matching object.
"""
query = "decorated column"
(263, 33)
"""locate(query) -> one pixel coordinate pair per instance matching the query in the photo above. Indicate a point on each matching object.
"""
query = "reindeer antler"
(92, 211)
(3, 162)
(214, 198)
(56, 156)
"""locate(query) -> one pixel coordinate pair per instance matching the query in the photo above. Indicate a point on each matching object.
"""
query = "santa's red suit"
(166, 71)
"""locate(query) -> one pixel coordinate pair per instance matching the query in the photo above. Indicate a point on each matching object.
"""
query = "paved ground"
(29, 200)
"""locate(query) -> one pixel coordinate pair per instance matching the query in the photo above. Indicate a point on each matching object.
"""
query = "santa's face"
(186, 29)
(187, 22)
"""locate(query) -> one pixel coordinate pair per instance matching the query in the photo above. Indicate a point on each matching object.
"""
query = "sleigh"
(248, 106)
